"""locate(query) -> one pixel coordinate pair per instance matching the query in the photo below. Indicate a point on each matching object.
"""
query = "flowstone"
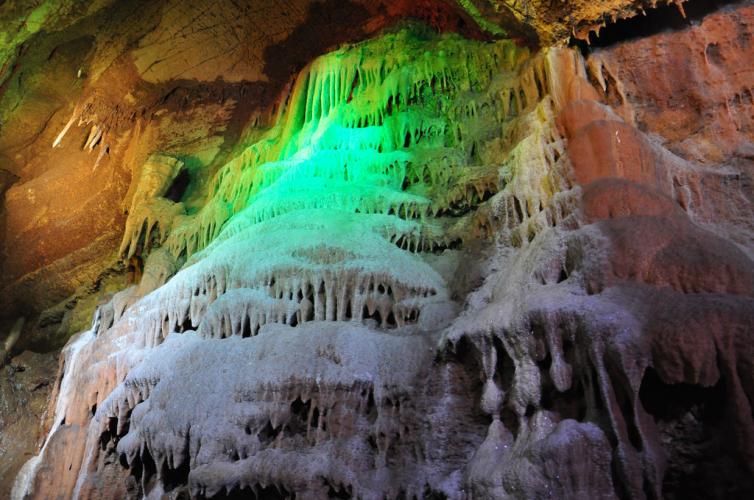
(305, 278)
(402, 291)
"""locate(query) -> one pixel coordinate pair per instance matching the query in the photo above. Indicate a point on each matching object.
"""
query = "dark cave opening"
(338, 490)
(669, 402)
(268, 434)
(695, 431)
(178, 187)
(175, 478)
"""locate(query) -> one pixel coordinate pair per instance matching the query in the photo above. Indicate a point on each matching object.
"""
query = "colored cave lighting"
(380, 127)
(322, 218)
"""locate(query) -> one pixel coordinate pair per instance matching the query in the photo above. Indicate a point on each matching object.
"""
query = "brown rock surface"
(25, 387)
(652, 241)
(613, 149)
(690, 89)
(702, 107)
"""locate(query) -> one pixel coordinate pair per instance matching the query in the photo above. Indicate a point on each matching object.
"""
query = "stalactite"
(357, 119)
(320, 229)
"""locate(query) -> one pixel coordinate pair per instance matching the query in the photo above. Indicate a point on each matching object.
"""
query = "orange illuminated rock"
(614, 149)
(612, 198)
(579, 113)
(692, 86)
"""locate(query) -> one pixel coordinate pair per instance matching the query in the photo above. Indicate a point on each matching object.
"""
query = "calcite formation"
(445, 258)
(553, 21)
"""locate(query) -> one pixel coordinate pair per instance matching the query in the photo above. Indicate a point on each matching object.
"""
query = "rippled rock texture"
(378, 250)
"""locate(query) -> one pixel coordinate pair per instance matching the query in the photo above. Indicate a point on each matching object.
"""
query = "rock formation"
(468, 249)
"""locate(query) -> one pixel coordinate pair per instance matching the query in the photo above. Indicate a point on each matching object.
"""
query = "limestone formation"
(436, 253)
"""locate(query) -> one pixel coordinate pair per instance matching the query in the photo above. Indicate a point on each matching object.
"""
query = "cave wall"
(438, 262)
(125, 80)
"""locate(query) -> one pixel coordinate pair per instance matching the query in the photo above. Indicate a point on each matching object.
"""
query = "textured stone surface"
(25, 388)
(700, 110)
(552, 296)
(176, 77)
(551, 22)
